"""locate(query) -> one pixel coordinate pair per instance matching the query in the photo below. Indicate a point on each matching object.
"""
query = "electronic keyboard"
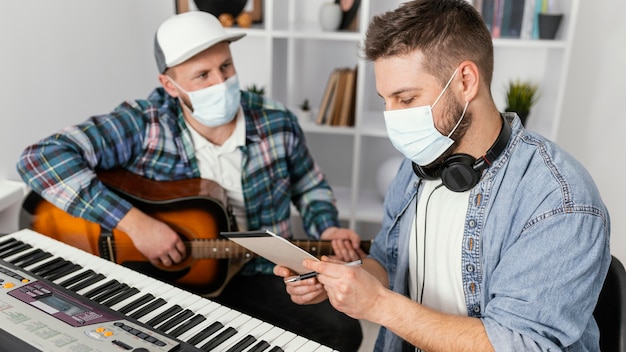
(55, 297)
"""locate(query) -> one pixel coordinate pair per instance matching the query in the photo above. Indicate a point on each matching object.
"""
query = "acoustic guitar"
(195, 208)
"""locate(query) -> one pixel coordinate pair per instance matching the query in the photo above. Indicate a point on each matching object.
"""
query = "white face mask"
(412, 131)
(215, 105)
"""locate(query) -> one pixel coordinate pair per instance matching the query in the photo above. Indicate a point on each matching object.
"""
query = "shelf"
(11, 193)
(528, 43)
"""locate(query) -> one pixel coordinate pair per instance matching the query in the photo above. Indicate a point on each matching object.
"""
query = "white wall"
(593, 126)
(64, 60)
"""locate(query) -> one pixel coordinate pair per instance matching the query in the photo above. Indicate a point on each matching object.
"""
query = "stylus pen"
(314, 273)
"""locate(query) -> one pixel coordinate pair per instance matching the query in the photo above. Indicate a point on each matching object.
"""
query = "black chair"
(610, 311)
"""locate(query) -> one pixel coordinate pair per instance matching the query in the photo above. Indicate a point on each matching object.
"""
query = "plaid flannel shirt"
(149, 138)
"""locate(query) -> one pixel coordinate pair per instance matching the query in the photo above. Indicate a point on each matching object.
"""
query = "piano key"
(188, 325)
(269, 337)
(299, 344)
(112, 292)
(211, 312)
(205, 333)
(147, 308)
(282, 340)
(175, 320)
(83, 275)
(70, 268)
(161, 317)
(223, 319)
(259, 346)
(87, 284)
(32, 258)
(18, 257)
(100, 288)
(132, 291)
(218, 339)
(8, 246)
(244, 332)
(259, 333)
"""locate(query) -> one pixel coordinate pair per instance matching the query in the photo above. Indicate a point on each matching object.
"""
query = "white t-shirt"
(435, 257)
(222, 164)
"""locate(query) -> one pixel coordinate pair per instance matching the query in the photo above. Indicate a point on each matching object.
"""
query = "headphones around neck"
(461, 172)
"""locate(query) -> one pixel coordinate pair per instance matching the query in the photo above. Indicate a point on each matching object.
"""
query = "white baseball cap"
(184, 35)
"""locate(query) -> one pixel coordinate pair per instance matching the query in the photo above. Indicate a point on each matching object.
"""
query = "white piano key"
(307, 346)
(211, 312)
(284, 338)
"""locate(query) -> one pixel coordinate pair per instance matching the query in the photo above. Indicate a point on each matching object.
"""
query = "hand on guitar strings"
(345, 243)
(153, 238)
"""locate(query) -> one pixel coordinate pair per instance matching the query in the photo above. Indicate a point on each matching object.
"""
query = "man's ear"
(167, 84)
(470, 79)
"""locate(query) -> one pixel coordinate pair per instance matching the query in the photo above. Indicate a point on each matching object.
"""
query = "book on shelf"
(511, 18)
(328, 94)
(338, 100)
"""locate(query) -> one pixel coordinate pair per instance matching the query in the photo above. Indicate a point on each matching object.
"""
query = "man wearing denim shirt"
(493, 237)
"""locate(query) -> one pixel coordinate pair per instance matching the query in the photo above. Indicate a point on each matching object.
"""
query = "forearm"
(428, 329)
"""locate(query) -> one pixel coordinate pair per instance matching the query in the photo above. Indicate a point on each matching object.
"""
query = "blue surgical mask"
(413, 133)
(215, 105)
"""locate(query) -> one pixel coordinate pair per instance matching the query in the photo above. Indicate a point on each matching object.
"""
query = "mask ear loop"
(444, 88)
(180, 99)
(461, 119)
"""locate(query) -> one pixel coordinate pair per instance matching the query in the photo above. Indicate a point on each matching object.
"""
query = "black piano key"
(77, 278)
(243, 344)
(15, 249)
(35, 259)
(208, 331)
(148, 308)
(260, 346)
(276, 349)
(122, 296)
(197, 319)
(47, 265)
(99, 289)
(136, 303)
(87, 282)
(7, 241)
(7, 245)
(110, 293)
(25, 256)
(64, 271)
(46, 274)
(177, 319)
(164, 316)
(219, 339)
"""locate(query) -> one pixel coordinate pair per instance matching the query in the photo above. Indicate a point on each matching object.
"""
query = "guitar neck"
(226, 249)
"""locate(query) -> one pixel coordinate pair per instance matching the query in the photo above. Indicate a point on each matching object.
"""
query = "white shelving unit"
(291, 57)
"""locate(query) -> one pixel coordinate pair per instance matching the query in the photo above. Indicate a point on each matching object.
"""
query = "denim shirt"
(535, 247)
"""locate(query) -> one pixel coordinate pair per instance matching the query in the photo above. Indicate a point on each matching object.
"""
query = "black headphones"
(460, 172)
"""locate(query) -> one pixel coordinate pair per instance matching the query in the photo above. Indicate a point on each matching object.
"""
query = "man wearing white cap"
(200, 124)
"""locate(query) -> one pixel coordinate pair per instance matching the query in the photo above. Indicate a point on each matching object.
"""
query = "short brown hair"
(447, 32)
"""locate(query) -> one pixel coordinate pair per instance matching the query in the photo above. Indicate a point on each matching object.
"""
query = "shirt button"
(476, 309)
(472, 223)
(470, 268)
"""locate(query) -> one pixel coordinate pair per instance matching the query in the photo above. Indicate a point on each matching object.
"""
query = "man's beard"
(452, 113)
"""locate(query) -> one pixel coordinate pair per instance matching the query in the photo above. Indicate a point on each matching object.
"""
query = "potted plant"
(256, 89)
(520, 97)
(305, 111)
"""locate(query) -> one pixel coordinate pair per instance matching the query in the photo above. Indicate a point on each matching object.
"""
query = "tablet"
(272, 247)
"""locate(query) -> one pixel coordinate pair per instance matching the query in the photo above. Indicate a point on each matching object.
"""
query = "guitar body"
(194, 208)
